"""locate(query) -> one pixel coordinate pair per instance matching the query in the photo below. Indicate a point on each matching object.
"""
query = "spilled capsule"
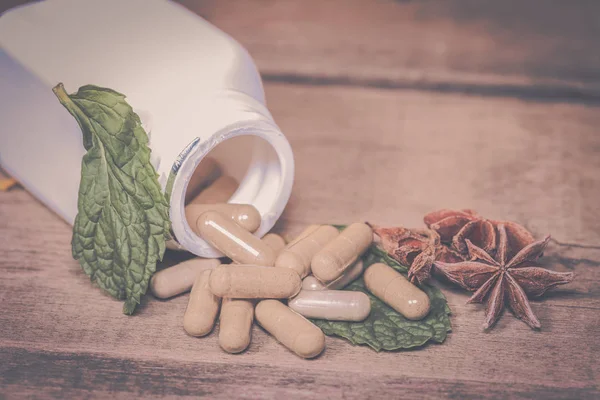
(298, 254)
(179, 278)
(290, 328)
(202, 308)
(233, 240)
(308, 230)
(245, 215)
(254, 282)
(349, 276)
(235, 325)
(332, 305)
(274, 241)
(312, 283)
(396, 291)
(332, 260)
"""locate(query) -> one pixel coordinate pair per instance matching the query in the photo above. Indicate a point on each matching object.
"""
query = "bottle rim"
(267, 185)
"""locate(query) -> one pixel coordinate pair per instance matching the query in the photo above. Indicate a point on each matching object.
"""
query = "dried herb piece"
(418, 248)
(504, 280)
(518, 237)
(455, 227)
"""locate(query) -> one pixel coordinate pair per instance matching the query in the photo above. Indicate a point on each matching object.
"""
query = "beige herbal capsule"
(219, 191)
(245, 215)
(396, 291)
(235, 325)
(290, 328)
(331, 261)
(332, 305)
(233, 240)
(254, 282)
(307, 231)
(179, 278)
(274, 241)
(312, 283)
(299, 253)
(349, 276)
(203, 307)
(207, 170)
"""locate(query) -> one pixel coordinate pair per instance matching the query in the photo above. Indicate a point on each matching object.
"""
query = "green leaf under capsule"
(385, 328)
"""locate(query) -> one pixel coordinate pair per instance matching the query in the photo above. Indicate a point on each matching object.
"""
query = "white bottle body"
(192, 85)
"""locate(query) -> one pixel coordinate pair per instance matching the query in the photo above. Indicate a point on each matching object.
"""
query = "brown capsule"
(202, 309)
(396, 291)
(235, 325)
(220, 191)
(299, 253)
(308, 230)
(179, 278)
(274, 241)
(332, 305)
(331, 261)
(245, 215)
(312, 283)
(233, 240)
(349, 276)
(254, 282)
(290, 328)
(207, 170)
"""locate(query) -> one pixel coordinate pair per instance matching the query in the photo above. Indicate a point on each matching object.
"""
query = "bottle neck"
(267, 181)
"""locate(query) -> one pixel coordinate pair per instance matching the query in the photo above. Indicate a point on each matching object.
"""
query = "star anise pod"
(455, 227)
(503, 280)
(417, 248)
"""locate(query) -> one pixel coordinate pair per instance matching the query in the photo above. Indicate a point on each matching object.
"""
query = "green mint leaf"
(122, 223)
(386, 329)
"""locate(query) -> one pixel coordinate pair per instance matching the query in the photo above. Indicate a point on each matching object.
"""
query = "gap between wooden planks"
(546, 50)
(535, 50)
(79, 375)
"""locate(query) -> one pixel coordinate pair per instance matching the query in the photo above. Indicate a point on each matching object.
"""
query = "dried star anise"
(502, 280)
(418, 248)
(456, 227)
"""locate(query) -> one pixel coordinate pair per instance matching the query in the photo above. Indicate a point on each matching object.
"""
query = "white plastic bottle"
(195, 89)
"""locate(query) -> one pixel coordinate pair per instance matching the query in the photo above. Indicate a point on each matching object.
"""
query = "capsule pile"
(277, 284)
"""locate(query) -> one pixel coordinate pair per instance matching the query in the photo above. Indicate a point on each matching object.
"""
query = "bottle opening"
(249, 166)
(217, 177)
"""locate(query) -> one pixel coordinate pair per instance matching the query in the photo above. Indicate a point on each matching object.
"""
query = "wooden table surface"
(393, 109)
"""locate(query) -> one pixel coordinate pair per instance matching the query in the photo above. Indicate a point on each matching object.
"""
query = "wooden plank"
(502, 47)
(69, 375)
(377, 155)
(390, 157)
(513, 48)
(396, 155)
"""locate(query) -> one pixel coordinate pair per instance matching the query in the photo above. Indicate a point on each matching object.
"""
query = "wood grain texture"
(392, 162)
(366, 148)
(528, 49)
(525, 48)
(68, 375)
(399, 155)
